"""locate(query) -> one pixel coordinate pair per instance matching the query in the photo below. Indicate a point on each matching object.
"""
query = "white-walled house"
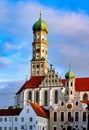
(31, 117)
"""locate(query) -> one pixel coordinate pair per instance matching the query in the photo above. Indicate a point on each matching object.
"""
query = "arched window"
(84, 116)
(55, 116)
(45, 98)
(30, 95)
(37, 97)
(71, 84)
(56, 97)
(62, 103)
(69, 115)
(62, 116)
(85, 96)
(76, 116)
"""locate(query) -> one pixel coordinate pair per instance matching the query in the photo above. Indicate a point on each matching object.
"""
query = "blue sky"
(68, 22)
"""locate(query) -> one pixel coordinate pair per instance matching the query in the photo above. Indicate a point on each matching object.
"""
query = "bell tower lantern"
(39, 63)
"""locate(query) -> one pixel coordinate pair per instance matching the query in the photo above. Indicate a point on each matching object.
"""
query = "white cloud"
(68, 33)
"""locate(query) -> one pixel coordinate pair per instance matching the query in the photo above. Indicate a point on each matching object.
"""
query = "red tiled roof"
(81, 84)
(10, 112)
(85, 101)
(38, 110)
(32, 83)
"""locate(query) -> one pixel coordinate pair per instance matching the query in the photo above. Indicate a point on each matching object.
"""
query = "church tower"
(39, 63)
(70, 85)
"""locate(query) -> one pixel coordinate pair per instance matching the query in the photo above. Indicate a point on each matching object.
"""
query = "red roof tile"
(38, 110)
(10, 112)
(85, 101)
(32, 83)
(82, 84)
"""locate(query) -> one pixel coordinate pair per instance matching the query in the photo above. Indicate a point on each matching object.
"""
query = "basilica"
(45, 101)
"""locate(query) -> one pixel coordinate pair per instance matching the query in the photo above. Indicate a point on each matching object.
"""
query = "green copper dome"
(40, 25)
(69, 74)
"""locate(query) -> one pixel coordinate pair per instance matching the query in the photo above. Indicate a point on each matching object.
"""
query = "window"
(5, 128)
(30, 127)
(0, 128)
(45, 98)
(30, 95)
(71, 84)
(62, 103)
(15, 119)
(69, 115)
(22, 119)
(76, 116)
(67, 84)
(5, 119)
(54, 128)
(37, 97)
(76, 103)
(15, 128)
(22, 127)
(0, 119)
(55, 116)
(56, 96)
(84, 116)
(27, 110)
(30, 119)
(85, 96)
(9, 128)
(33, 66)
(62, 116)
(71, 92)
(37, 66)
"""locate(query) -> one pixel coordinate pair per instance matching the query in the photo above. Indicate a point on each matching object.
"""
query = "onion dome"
(40, 25)
(69, 75)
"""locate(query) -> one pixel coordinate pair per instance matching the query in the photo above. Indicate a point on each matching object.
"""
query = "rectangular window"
(5, 128)
(27, 110)
(22, 127)
(5, 119)
(9, 128)
(15, 128)
(22, 119)
(0, 128)
(0, 119)
(16, 119)
(31, 119)
(30, 127)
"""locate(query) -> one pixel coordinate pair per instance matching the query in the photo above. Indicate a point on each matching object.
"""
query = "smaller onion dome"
(40, 25)
(69, 74)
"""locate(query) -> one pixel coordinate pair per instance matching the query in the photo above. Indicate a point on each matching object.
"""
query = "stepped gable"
(34, 82)
(10, 112)
(38, 110)
(81, 84)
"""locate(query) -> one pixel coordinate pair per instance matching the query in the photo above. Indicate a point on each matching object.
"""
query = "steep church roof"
(34, 82)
